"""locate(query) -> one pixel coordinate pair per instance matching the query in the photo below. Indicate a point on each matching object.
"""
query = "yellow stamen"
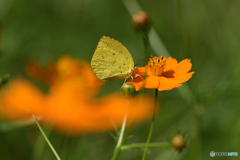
(156, 65)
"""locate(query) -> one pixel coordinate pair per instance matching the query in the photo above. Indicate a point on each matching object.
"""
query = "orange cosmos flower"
(163, 73)
(70, 105)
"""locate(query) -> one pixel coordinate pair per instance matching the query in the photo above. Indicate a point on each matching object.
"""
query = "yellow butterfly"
(111, 60)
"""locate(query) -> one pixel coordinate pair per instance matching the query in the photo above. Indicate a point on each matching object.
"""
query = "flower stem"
(146, 47)
(152, 124)
(45, 137)
(120, 139)
(141, 145)
(146, 57)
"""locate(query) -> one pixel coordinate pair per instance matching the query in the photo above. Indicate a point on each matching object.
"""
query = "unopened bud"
(178, 142)
(128, 90)
(142, 22)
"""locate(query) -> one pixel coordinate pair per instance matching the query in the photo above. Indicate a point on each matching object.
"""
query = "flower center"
(156, 65)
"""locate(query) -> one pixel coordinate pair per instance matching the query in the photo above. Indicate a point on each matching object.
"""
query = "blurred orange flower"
(64, 69)
(70, 104)
(93, 115)
(162, 73)
(20, 100)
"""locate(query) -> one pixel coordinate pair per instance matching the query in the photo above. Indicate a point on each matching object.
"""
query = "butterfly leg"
(124, 82)
(139, 76)
(132, 79)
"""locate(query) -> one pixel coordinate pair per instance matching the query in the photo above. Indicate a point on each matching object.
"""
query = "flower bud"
(142, 22)
(128, 90)
(178, 142)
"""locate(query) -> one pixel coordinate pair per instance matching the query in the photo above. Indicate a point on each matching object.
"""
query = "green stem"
(120, 139)
(146, 57)
(152, 124)
(47, 140)
(141, 145)
(146, 47)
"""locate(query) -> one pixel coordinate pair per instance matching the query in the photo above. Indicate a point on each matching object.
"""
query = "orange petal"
(138, 108)
(74, 117)
(20, 100)
(180, 79)
(167, 85)
(183, 67)
(152, 82)
(170, 64)
(64, 69)
(69, 68)
(141, 70)
(72, 88)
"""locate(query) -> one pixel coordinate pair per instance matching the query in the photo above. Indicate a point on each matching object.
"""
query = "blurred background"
(207, 32)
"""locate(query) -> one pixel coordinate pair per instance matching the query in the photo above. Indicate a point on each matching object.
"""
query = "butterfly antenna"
(142, 61)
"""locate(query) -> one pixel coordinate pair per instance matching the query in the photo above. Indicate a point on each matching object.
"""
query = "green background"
(205, 31)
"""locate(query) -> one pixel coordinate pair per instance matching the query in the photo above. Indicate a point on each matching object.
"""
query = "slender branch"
(120, 139)
(122, 132)
(47, 140)
(141, 145)
(146, 56)
(152, 125)
(146, 47)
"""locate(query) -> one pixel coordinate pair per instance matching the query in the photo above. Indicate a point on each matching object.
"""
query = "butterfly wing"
(111, 60)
